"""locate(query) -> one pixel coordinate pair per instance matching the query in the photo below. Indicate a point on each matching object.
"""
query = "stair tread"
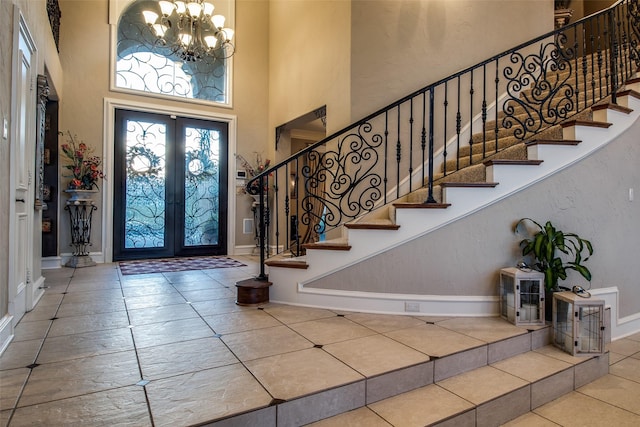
(373, 224)
(611, 106)
(421, 205)
(469, 184)
(630, 92)
(512, 162)
(553, 142)
(328, 245)
(590, 123)
(287, 263)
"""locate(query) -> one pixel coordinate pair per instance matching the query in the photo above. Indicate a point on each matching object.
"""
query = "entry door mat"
(165, 265)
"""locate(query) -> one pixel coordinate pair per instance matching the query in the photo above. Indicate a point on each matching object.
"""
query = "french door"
(170, 186)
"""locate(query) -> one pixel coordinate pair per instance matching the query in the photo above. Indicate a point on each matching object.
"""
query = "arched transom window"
(144, 63)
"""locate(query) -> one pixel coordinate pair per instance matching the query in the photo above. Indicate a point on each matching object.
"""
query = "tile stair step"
(486, 395)
(469, 384)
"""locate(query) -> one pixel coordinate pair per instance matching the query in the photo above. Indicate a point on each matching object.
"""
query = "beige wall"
(589, 198)
(401, 46)
(309, 60)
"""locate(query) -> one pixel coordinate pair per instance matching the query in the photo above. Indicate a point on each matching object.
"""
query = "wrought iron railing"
(429, 134)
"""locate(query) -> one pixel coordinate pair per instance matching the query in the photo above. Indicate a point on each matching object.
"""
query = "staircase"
(457, 196)
(420, 164)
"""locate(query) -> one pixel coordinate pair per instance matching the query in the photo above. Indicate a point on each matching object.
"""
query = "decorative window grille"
(144, 65)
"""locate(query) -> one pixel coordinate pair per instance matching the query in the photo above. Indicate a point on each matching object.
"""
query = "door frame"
(110, 106)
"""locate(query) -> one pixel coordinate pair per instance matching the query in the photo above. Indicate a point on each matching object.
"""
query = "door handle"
(20, 200)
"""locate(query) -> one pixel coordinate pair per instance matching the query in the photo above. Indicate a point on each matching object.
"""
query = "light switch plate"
(5, 128)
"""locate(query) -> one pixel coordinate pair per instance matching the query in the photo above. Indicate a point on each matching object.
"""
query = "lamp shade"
(159, 29)
(194, 9)
(166, 7)
(185, 38)
(207, 9)
(181, 7)
(150, 17)
(228, 34)
(211, 41)
(218, 21)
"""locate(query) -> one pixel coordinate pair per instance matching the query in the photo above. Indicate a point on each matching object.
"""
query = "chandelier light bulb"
(228, 34)
(159, 29)
(207, 9)
(185, 38)
(191, 30)
(150, 17)
(181, 7)
(166, 7)
(211, 41)
(194, 9)
(218, 21)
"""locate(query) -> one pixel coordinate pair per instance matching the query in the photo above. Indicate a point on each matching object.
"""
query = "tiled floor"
(173, 349)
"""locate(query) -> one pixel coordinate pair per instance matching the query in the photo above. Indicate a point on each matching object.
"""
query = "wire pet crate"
(522, 296)
(578, 324)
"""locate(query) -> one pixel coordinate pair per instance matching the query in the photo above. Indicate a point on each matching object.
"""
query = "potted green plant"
(555, 252)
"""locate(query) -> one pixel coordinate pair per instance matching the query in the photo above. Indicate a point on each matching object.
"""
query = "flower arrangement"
(84, 167)
(253, 170)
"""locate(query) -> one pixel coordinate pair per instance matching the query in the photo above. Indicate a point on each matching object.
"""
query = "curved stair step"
(588, 123)
(469, 184)
(287, 264)
(421, 205)
(493, 162)
(552, 142)
(327, 246)
(380, 224)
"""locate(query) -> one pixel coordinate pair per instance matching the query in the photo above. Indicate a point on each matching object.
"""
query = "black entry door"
(170, 186)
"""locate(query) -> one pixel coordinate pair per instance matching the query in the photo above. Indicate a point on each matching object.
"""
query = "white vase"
(80, 195)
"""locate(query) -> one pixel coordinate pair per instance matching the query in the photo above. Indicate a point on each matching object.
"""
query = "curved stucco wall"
(401, 46)
(590, 198)
(309, 60)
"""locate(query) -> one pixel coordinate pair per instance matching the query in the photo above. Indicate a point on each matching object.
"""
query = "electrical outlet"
(631, 194)
(247, 226)
(412, 307)
(5, 128)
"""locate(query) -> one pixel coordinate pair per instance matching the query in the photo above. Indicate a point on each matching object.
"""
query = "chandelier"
(191, 29)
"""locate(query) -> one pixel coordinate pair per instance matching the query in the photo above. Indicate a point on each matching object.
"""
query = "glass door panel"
(145, 185)
(201, 186)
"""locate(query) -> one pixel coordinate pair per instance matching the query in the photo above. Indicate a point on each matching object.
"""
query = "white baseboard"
(6, 332)
(387, 303)
(98, 257)
(37, 291)
(620, 326)
(244, 250)
(50, 263)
